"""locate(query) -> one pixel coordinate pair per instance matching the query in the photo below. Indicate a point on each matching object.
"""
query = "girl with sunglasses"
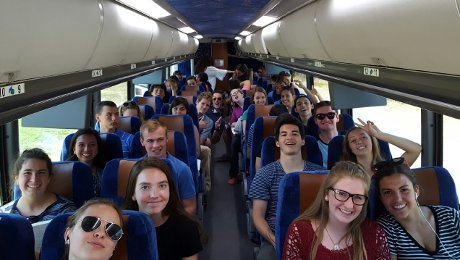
(151, 190)
(414, 231)
(361, 145)
(33, 173)
(93, 231)
(86, 146)
(335, 225)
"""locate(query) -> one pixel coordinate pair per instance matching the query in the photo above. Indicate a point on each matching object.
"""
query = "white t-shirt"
(214, 73)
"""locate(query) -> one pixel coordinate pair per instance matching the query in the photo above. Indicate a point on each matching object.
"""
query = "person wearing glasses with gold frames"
(414, 231)
(93, 231)
(361, 145)
(326, 119)
(335, 225)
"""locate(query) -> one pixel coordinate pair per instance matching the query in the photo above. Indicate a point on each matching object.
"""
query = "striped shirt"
(266, 183)
(404, 246)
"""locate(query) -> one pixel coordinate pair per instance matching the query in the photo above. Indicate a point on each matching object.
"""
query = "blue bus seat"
(129, 124)
(335, 149)
(297, 190)
(437, 187)
(115, 179)
(111, 146)
(164, 109)
(71, 179)
(147, 111)
(247, 103)
(190, 99)
(345, 122)
(18, 231)
(310, 151)
(155, 102)
(138, 240)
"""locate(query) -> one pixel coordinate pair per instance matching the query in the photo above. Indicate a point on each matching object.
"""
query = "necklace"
(335, 246)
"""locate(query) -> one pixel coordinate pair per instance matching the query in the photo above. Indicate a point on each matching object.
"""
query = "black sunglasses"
(343, 196)
(217, 98)
(113, 231)
(329, 115)
(129, 103)
(380, 166)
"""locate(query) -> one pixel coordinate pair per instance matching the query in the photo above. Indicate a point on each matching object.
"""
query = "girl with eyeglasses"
(93, 231)
(361, 145)
(414, 231)
(151, 190)
(32, 174)
(335, 225)
(86, 146)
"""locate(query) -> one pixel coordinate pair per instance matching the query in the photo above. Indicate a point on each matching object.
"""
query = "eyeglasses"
(329, 115)
(378, 167)
(343, 196)
(217, 98)
(113, 231)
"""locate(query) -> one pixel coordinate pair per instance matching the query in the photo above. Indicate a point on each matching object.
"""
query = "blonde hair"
(151, 126)
(319, 209)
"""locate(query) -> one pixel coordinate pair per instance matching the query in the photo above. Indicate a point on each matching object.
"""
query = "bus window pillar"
(432, 132)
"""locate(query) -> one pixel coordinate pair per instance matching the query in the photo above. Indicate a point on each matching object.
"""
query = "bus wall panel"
(125, 37)
(412, 34)
(43, 38)
(271, 37)
(299, 37)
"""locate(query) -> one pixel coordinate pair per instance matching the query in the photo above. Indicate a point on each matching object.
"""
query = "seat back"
(190, 99)
(71, 179)
(345, 122)
(115, 179)
(254, 112)
(335, 149)
(138, 240)
(296, 192)
(147, 111)
(436, 188)
(17, 237)
(155, 102)
(129, 124)
(271, 152)
(111, 146)
(189, 92)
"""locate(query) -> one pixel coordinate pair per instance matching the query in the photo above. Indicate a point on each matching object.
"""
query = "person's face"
(179, 110)
(237, 96)
(398, 195)
(151, 191)
(326, 124)
(158, 92)
(286, 98)
(191, 82)
(289, 140)
(345, 212)
(217, 99)
(94, 244)
(359, 142)
(130, 112)
(33, 178)
(278, 87)
(108, 118)
(238, 73)
(303, 107)
(155, 142)
(259, 98)
(86, 148)
(202, 106)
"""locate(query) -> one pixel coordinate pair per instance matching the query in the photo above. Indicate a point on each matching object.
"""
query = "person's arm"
(190, 205)
(259, 207)
(313, 97)
(411, 149)
(193, 257)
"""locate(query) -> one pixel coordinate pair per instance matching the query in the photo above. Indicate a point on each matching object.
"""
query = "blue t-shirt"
(204, 133)
(60, 206)
(266, 183)
(324, 149)
(126, 140)
(183, 178)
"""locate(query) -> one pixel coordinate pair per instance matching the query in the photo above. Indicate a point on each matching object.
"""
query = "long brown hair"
(319, 210)
(174, 205)
(348, 155)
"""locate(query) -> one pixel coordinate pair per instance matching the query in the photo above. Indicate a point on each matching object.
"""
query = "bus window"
(322, 86)
(48, 139)
(451, 140)
(117, 93)
(395, 118)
